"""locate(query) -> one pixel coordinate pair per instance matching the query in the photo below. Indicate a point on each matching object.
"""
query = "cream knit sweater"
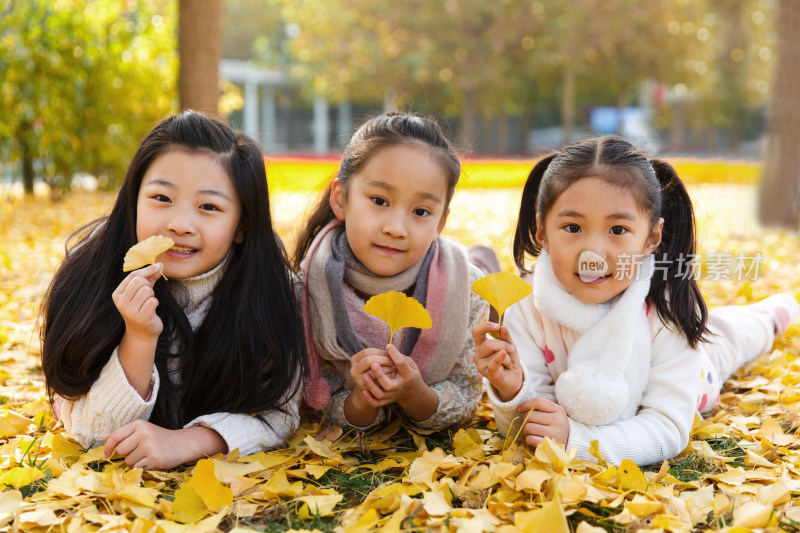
(658, 429)
(112, 402)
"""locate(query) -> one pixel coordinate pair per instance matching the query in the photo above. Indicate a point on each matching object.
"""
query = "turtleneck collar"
(199, 288)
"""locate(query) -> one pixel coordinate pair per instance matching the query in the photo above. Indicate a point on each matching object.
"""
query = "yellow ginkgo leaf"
(214, 494)
(501, 290)
(20, 476)
(188, 506)
(145, 252)
(399, 311)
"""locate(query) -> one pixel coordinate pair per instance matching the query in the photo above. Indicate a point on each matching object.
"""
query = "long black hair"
(658, 191)
(245, 357)
(374, 135)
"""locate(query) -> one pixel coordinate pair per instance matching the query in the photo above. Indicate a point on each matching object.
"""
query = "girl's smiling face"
(596, 216)
(393, 208)
(189, 198)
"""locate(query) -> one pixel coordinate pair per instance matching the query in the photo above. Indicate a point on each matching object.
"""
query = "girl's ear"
(541, 237)
(655, 238)
(440, 227)
(238, 238)
(337, 199)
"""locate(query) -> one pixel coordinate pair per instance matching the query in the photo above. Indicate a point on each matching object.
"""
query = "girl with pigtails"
(615, 343)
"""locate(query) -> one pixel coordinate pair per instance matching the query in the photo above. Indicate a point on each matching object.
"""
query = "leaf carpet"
(741, 471)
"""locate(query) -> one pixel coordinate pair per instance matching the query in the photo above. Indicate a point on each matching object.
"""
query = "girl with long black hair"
(208, 360)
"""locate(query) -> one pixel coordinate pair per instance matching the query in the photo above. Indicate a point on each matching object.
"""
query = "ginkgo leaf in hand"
(501, 290)
(145, 252)
(399, 311)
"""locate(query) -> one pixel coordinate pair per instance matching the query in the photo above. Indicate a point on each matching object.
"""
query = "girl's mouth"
(593, 280)
(181, 251)
(388, 250)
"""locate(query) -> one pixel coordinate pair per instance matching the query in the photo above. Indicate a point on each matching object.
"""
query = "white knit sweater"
(112, 402)
(659, 429)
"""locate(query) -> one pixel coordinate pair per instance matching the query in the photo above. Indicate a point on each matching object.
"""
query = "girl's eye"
(572, 228)
(421, 212)
(618, 230)
(377, 200)
(160, 198)
(209, 207)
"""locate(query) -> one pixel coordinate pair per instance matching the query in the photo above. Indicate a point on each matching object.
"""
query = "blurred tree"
(81, 82)
(467, 57)
(779, 203)
(200, 45)
(253, 29)
(726, 74)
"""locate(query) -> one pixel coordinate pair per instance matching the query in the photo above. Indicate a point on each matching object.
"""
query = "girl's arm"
(662, 427)
(146, 445)
(111, 403)
(136, 302)
(536, 379)
(249, 434)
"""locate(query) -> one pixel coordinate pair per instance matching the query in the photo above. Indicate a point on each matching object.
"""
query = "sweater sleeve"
(110, 403)
(460, 393)
(537, 381)
(252, 434)
(662, 426)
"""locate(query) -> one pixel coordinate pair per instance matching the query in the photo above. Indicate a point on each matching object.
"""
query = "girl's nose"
(181, 224)
(395, 226)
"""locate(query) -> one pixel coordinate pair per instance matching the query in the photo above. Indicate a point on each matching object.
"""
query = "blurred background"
(83, 81)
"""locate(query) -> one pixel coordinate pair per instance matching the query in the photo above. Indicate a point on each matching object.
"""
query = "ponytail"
(674, 290)
(319, 218)
(525, 235)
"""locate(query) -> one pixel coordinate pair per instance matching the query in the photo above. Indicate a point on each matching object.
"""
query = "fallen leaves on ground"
(740, 472)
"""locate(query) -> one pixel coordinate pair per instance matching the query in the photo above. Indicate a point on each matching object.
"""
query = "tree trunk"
(568, 103)
(780, 184)
(469, 122)
(503, 138)
(199, 42)
(27, 165)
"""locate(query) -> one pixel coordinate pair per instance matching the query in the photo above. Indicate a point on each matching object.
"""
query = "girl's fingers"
(141, 463)
(115, 438)
(382, 379)
(401, 362)
(497, 361)
(373, 388)
(481, 329)
(533, 440)
(505, 335)
(371, 399)
(543, 404)
(527, 405)
(368, 352)
(491, 346)
(135, 456)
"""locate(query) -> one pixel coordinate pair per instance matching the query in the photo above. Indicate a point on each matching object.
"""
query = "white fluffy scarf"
(609, 362)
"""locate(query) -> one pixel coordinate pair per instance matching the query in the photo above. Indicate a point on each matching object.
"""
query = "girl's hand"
(136, 302)
(548, 419)
(497, 359)
(406, 387)
(146, 445)
(357, 408)
(361, 365)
